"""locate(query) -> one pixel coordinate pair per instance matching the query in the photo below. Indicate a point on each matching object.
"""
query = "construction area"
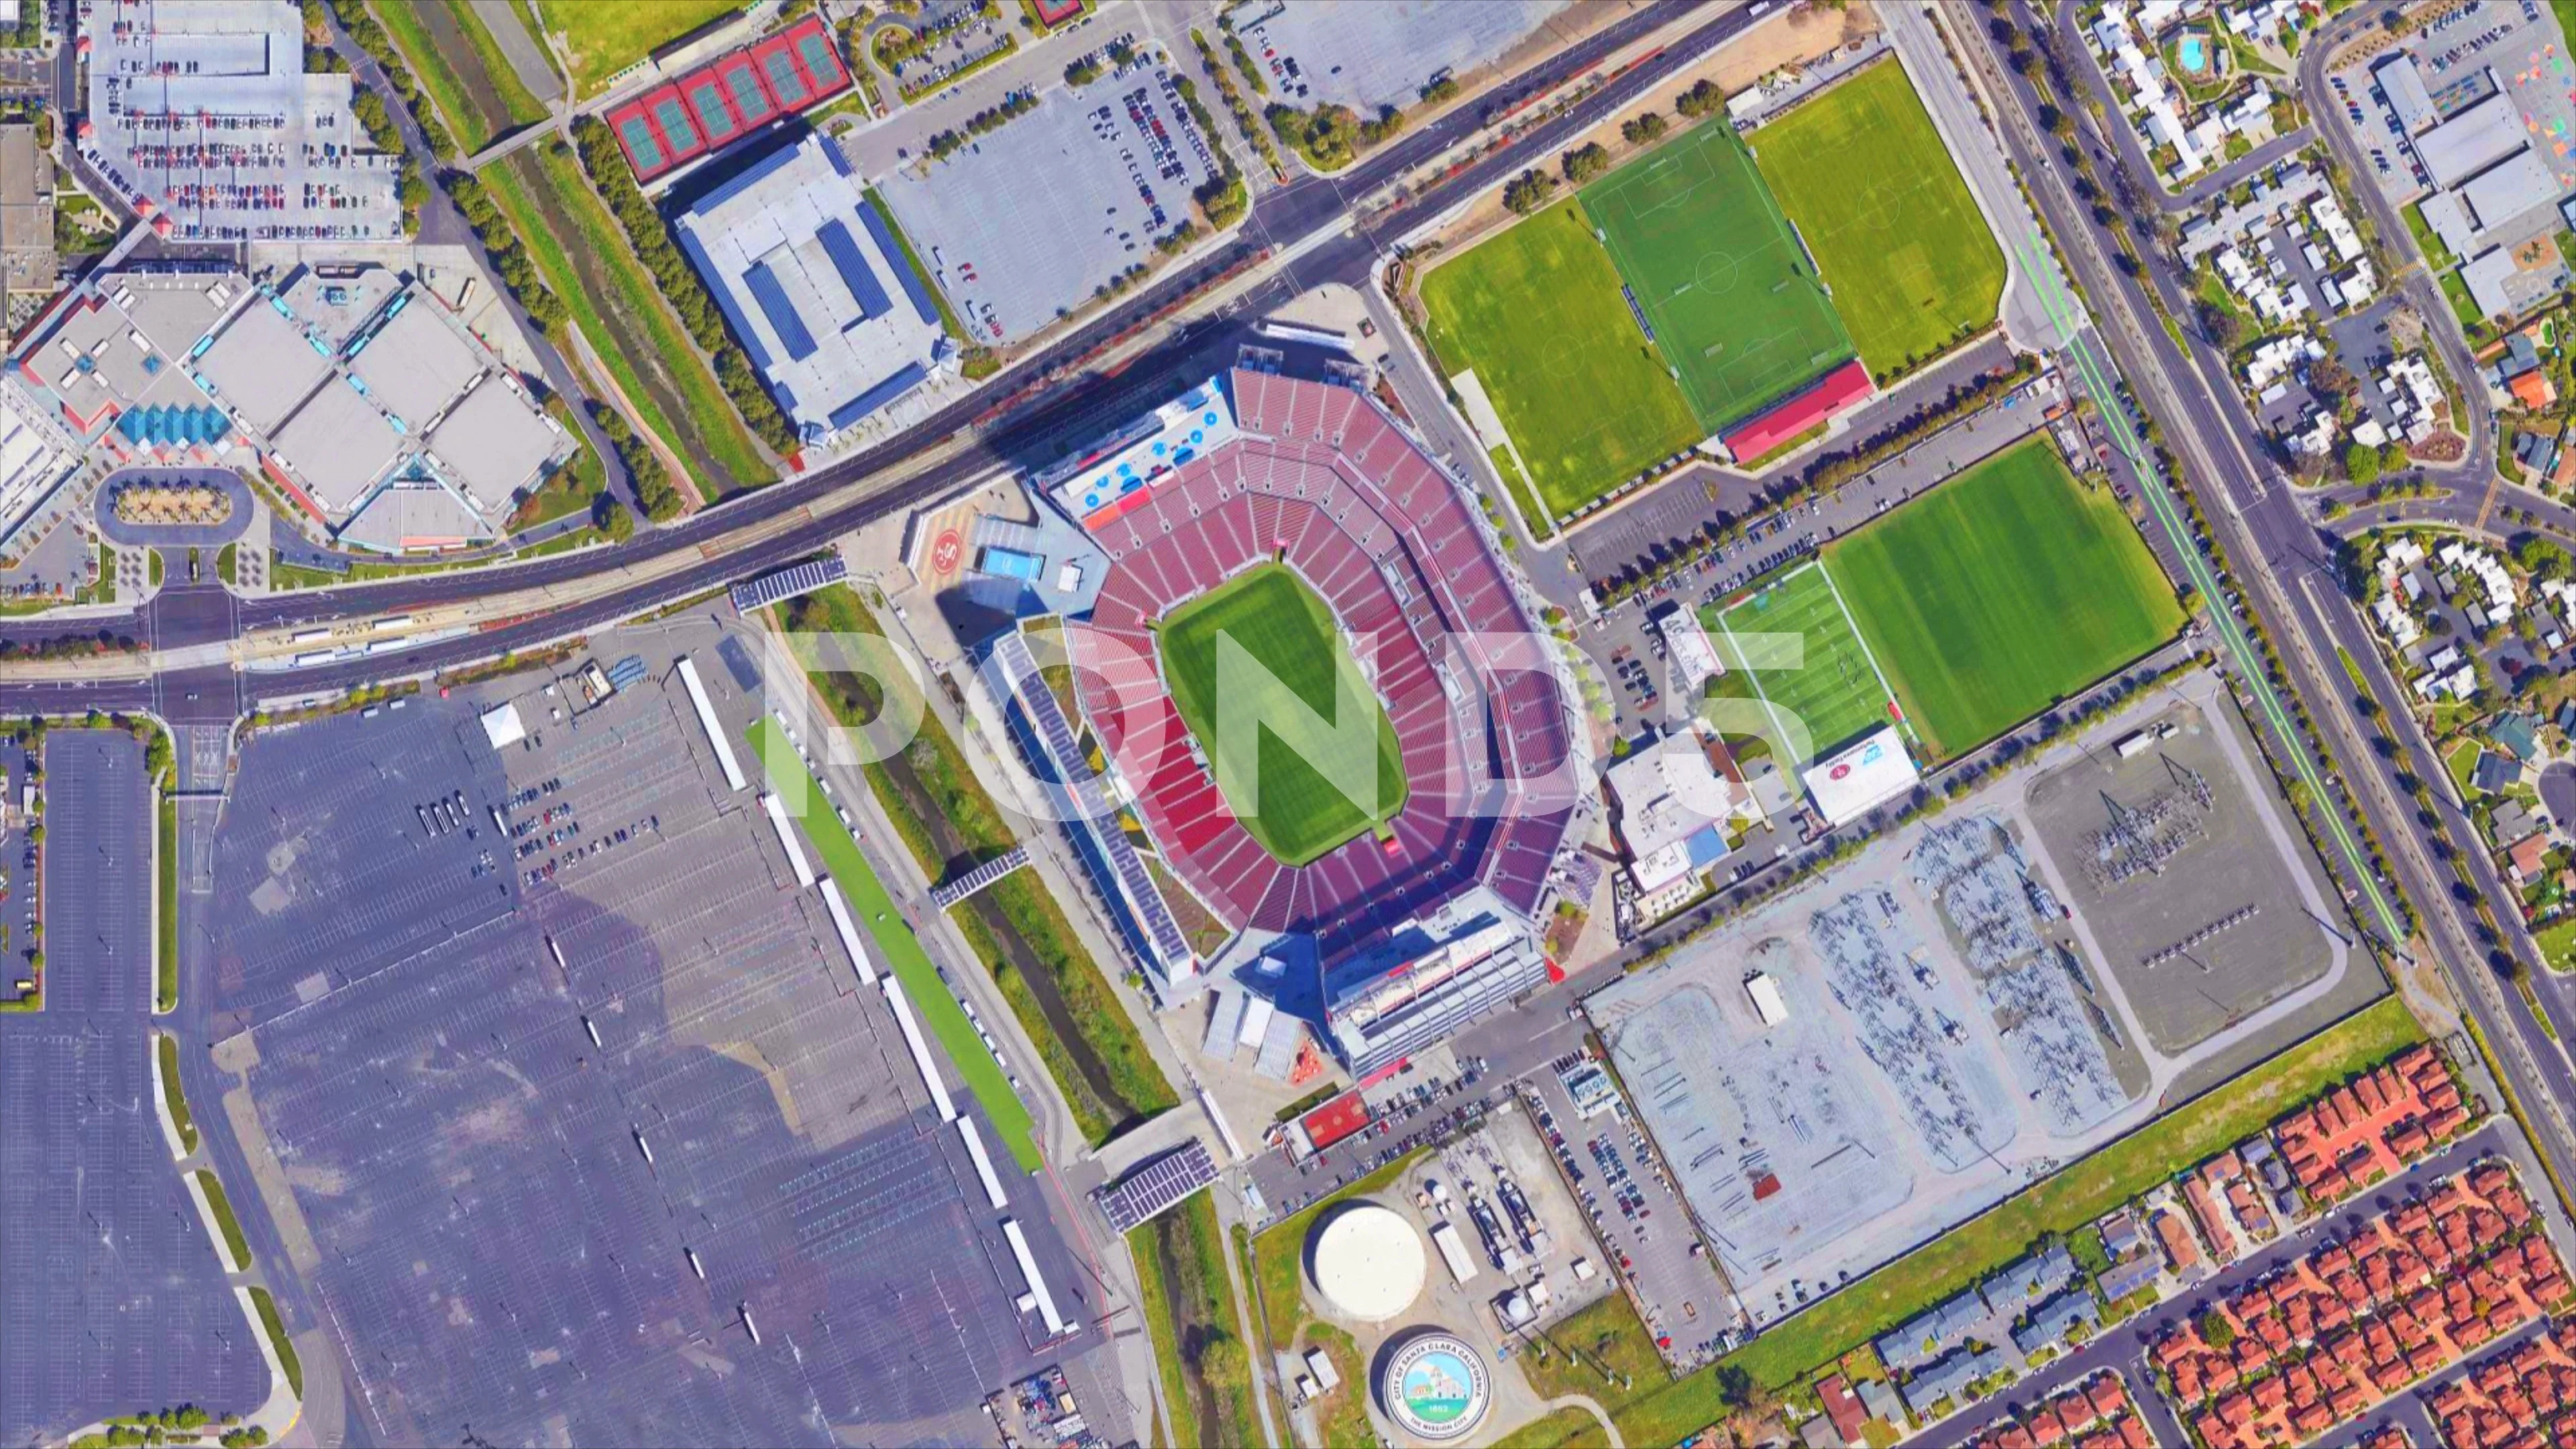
(1866, 1061)
(569, 1097)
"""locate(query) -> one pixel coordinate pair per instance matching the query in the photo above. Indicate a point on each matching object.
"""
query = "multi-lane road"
(1322, 225)
(2285, 567)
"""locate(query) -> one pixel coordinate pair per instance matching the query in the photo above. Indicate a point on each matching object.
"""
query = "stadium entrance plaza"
(1946, 1032)
(537, 1151)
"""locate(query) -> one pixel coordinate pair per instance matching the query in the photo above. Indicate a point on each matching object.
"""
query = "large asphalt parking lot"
(490, 1239)
(111, 1297)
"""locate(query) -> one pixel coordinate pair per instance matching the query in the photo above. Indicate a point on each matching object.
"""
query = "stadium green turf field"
(1824, 681)
(1735, 307)
(2001, 592)
(1536, 313)
(1892, 226)
(1272, 615)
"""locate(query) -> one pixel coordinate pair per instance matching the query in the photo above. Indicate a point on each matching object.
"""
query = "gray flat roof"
(493, 443)
(2403, 83)
(413, 514)
(2443, 214)
(416, 364)
(338, 444)
(2499, 194)
(262, 366)
(2471, 141)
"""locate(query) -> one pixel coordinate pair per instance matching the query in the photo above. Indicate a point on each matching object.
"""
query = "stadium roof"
(2471, 141)
(815, 286)
(2522, 183)
(1826, 396)
(1858, 780)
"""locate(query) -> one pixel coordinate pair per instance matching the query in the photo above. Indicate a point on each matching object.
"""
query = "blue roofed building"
(2128, 1276)
(2030, 1279)
(2051, 1322)
(1949, 1379)
(1935, 1331)
(814, 284)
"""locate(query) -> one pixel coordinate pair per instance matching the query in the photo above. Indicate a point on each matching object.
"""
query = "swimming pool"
(2194, 54)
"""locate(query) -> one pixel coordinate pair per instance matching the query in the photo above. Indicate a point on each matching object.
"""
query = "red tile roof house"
(1843, 1408)
(2527, 857)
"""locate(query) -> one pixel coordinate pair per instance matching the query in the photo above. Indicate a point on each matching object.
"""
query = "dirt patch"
(750, 1055)
(268, 1175)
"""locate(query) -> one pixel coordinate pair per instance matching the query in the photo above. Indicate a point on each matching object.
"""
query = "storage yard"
(1365, 54)
(543, 1031)
(1865, 1062)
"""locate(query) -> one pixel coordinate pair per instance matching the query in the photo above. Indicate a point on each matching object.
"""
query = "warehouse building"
(2471, 141)
(814, 283)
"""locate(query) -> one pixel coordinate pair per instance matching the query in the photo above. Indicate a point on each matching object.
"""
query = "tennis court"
(1793, 642)
(1736, 309)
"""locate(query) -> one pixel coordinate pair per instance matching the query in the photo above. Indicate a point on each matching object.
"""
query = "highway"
(2275, 547)
(1043, 405)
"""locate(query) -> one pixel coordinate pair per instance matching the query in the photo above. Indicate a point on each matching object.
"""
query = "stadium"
(1256, 473)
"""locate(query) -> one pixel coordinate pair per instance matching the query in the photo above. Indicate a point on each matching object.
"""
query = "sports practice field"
(606, 38)
(1280, 622)
(1535, 313)
(1734, 305)
(1793, 644)
(1879, 201)
(1999, 593)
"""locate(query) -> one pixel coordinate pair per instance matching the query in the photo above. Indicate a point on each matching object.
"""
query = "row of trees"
(944, 144)
(679, 282)
(653, 486)
(510, 260)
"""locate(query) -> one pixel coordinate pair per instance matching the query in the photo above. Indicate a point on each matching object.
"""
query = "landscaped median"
(165, 1052)
(930, 995)
(165, 973)
(1787, 1353)
(236, 1246)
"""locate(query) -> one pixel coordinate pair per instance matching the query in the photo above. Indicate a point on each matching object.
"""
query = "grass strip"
(165, 974)
(2076, 1196)
(276, 1327)
(428, 61)
(230, 1226)
(175, 1097)
(519, 104)
(1178, 1404)
(930, 995)
(718, 427)
(1590, 1351)
(1200, 1347)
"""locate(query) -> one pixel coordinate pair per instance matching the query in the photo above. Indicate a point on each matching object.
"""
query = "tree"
(1584, 162)
(612, 518)
(1528, 191)
(1699, 100)
(2221, 326)
(2331, 381)
(2361, 464)
(1082, 72)
(2216, 1331)
(1644, 128)
(1222, 1361)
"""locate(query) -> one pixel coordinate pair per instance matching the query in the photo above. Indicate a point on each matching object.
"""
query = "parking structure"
(111, 1293)
(626, 1077)
(1027, 222)
(1365, 54)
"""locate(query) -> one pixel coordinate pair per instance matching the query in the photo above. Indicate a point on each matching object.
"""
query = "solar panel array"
(1074, 770)
(783, 584)
(1157, 1186)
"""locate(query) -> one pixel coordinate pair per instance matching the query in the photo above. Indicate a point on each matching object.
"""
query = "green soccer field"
(1879, 201)
(606, 37)
(1793, 643)
(2001, 592)
(1536, 314)
(1735, 307)
(1271, 614)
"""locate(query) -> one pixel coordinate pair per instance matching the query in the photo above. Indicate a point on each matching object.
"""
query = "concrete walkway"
(1592, 1406)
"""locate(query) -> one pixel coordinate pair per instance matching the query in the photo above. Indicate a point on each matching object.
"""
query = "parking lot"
(1634, 1209)
(633, 1123)
(17, 876)
(2465, 56)
(1023, 225)
(111, 1294)
(1365, 54)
